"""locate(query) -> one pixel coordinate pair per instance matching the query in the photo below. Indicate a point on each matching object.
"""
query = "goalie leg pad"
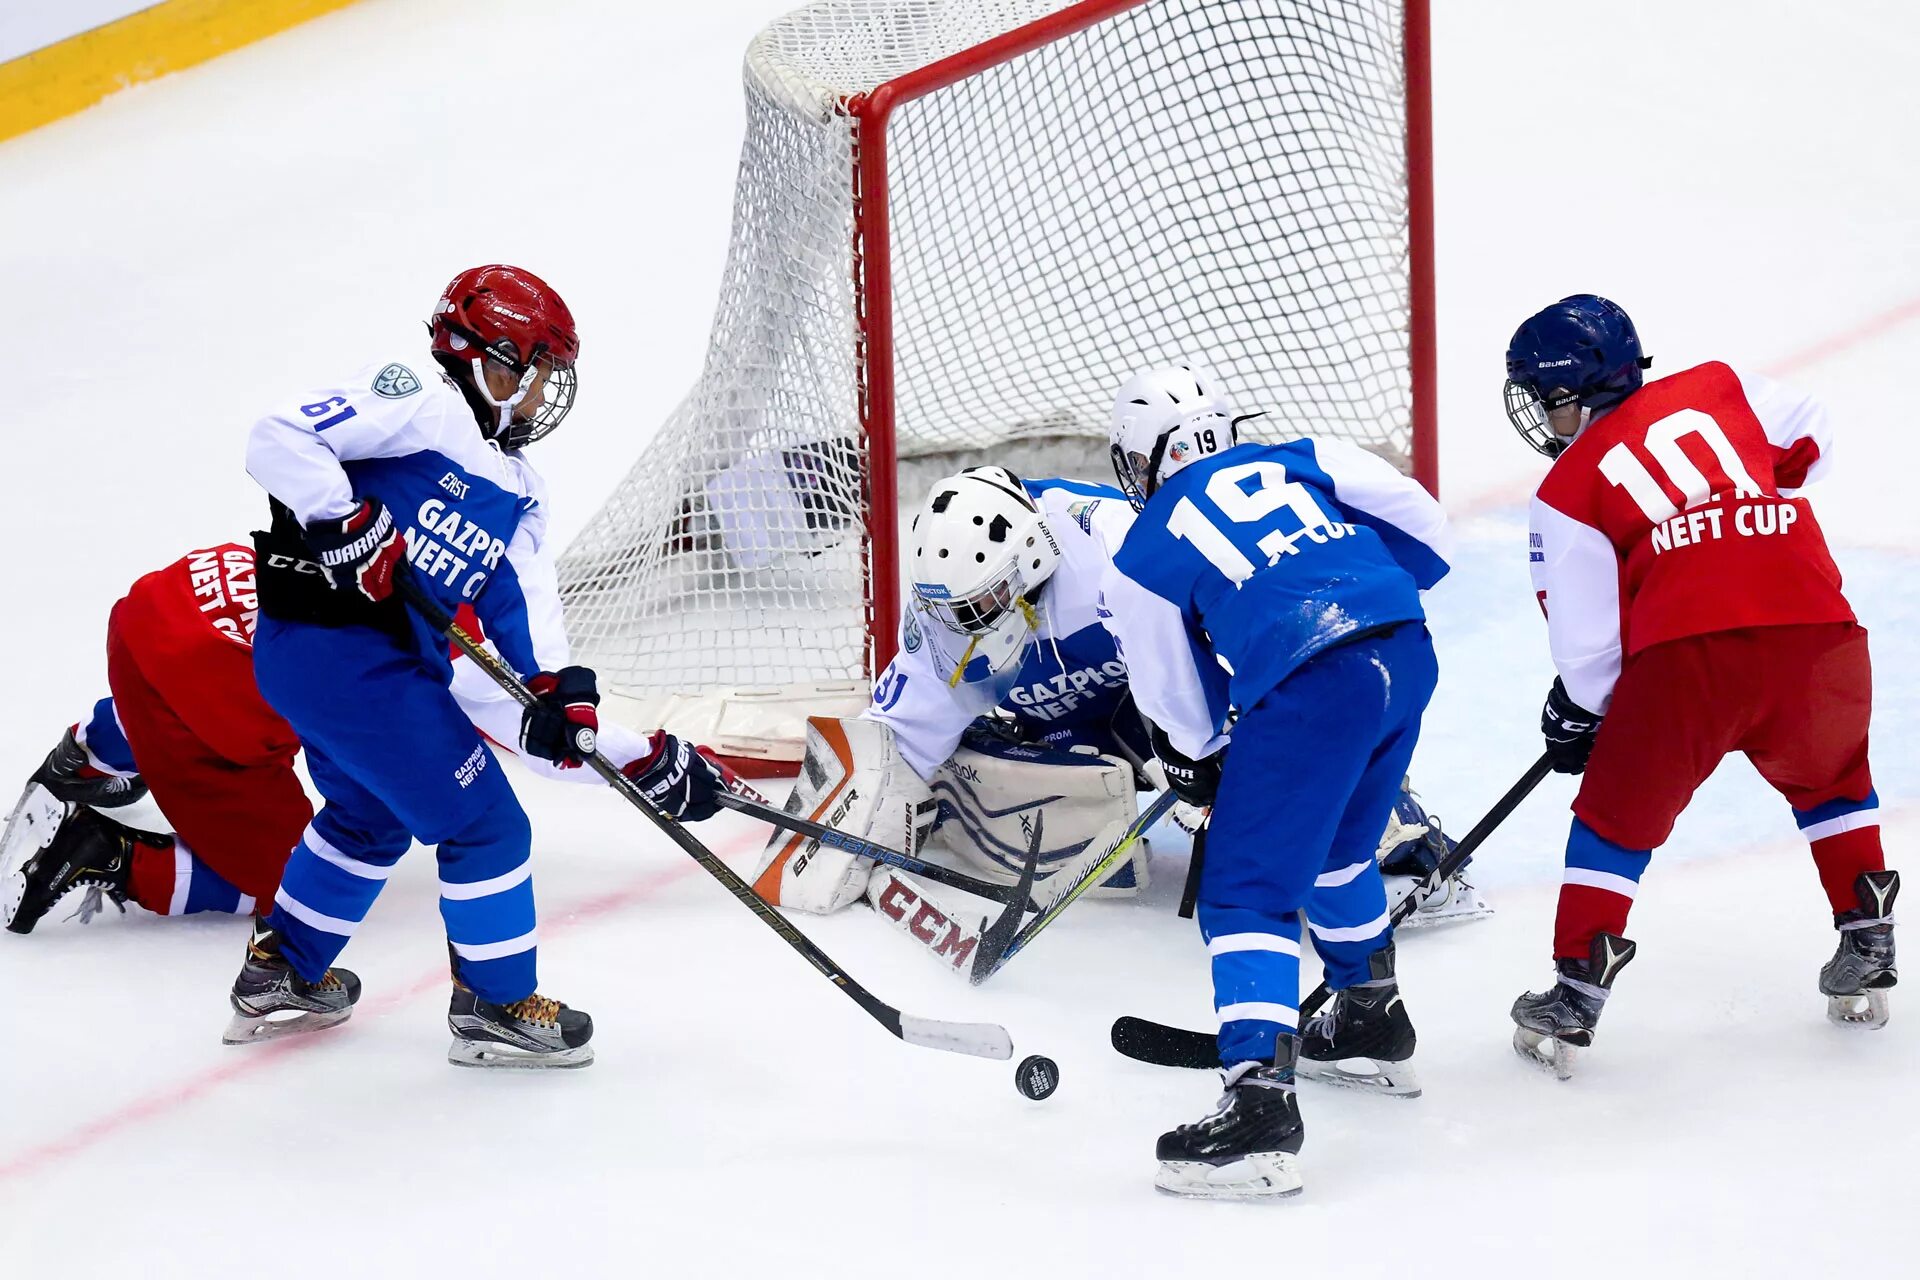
(852, 779)
(989, 792)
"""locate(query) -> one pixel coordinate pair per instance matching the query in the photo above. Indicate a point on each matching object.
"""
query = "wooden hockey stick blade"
(999, 934)
(1155, 1042)
(863, 848)
(1075, 880)
(981, 1040)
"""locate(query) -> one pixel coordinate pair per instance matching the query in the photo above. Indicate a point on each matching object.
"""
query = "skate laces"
(537, 1008)
(94, 901)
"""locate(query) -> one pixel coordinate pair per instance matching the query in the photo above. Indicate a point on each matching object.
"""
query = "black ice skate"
(535, 1032)
(87, 851)
(1365, 1040)
(271, 1000)
(1551, 1025)
(67, 774)
(1856, 980)
(1248, 1146)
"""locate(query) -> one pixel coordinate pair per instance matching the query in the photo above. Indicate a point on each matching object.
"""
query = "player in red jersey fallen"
(1693, 610)
(186, 720)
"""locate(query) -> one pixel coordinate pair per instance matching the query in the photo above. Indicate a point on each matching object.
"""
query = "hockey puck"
(1037, 1076)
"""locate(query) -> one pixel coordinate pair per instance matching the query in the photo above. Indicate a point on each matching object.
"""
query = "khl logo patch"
(396, 382)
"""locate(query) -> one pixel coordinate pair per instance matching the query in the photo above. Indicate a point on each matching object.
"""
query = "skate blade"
(1867, 1011)
(251, 1029)
(1272, 1175)
(31, 826)
(1545, 1052)
(467, 1053)
(1367, 1075)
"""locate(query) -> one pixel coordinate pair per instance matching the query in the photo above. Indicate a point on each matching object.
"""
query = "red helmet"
(514, 319)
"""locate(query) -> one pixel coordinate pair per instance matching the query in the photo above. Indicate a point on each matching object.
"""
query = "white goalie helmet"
(1163, 420)
(981, 550)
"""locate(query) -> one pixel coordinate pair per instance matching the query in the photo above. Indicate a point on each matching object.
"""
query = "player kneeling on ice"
(1284, 581)
(1008, 696)
(385, 467)
(1693, 610)
(186, 719)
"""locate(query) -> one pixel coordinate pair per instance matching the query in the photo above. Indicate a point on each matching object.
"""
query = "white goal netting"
(1218, 180)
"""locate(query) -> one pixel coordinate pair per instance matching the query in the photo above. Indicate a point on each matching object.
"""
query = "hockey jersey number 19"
(1256, 559)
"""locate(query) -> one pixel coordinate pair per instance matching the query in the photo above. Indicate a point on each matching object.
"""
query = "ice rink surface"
(175, 259)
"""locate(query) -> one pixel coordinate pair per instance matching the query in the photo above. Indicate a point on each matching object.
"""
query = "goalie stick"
(860, 848)
(1074, 879)
(979, 1039)
(1164, 1046)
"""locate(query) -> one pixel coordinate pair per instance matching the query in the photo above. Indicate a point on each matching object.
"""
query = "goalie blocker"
(977, 814)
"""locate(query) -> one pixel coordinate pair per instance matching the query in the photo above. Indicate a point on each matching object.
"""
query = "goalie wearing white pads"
(1007, 696)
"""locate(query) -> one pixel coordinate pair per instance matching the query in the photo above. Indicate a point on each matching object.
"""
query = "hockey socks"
(169, 880)
(105, 742)
(1844, 836)
(1597, 890)
(1256, 979)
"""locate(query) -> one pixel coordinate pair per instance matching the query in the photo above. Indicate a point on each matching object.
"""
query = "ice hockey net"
(958, 225)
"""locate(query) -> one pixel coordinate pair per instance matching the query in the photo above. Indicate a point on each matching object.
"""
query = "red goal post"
(955, 233)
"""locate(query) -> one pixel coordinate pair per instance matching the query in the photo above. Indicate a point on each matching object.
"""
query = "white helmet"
(980, 550)
(1164, 419)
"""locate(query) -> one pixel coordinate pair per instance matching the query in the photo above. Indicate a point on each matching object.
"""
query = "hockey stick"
(1166, 1046)
(980, 1039)
(860, 848)
(1074, 880)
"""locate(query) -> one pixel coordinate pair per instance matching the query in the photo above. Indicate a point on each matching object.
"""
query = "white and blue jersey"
(473, 515)
(1069, 683)
(1283, 582)
(1246, 564)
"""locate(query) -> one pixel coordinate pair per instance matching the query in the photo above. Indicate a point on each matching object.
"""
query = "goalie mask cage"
(958, 226)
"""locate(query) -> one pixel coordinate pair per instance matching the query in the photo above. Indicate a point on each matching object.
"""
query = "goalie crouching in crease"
(1007, 697)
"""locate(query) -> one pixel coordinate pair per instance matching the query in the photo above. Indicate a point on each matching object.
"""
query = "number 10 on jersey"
(1252, 495)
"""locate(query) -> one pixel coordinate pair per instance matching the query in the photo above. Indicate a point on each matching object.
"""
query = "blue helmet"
(1583, 351)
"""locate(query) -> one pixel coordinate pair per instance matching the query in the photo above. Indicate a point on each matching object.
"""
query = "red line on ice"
(253, 1060)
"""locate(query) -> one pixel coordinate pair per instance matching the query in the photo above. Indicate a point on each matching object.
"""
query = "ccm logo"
(898, 902)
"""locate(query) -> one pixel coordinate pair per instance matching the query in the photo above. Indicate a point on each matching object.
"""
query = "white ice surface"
(1735, 173)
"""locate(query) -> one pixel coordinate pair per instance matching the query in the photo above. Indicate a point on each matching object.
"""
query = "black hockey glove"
(360, 550)
(678, 778)
(1194, 781)
(562, 727)
(1569, 729)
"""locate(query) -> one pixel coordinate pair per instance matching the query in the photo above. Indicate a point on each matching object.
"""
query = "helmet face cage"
(518, 426)
(1528, 414)
(979, 611)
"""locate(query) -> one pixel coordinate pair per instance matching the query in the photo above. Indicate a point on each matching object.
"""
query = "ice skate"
(1552, 1025)
(535, 1032)
(271, 1000)
(1452, 901)
(1411, 850)
(83, 850)
(1365, 1040)
(1862, 970)
(1248, 1146)
(67, 773)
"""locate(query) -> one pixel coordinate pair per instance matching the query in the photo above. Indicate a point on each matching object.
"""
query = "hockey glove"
(562, 727)
(680, 780)
(1569, 729)
(359, 551)
(1194, 781)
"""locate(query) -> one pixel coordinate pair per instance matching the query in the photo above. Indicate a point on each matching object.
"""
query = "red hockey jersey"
(1677, 514)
